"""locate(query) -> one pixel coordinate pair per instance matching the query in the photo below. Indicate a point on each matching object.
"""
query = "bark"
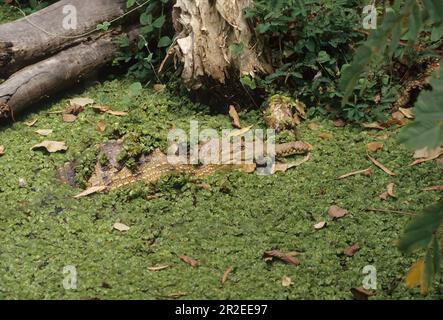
(32, 38)
(65, 69)
(206, 31)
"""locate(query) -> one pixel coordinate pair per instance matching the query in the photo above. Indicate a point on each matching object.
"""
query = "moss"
(231, 223)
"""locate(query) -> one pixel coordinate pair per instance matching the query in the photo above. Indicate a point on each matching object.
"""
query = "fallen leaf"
(390, 190)
(325, 135)
(361, 293)
(426, 153)
(283, 167)
(101, 126)
(98, 108)
(176, 295)
(236, 133)
(398, 116)
(339, 123)
(286, 281)
(226, 274)
(31, 123)
(117, 113)
(381, 166)
(432, 155)
(434, 188)
(374, 146)
(121, 227)
(51, 146)
(22, 183)
(158, 268)
(82, 102)
(365, 172)
(281, 256)
(44, 132)
(2, 150)
(90, 191)
(69, 118)
(159, 88)
(300, 107)
(336, 212)
(235, 119)
(350, 251)
(373, 125)
(313, 126)
(192, 262)
(407, 112)
(320, 225)
(416, 277)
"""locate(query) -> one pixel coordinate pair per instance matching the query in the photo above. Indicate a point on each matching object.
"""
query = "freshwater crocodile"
(154, 166)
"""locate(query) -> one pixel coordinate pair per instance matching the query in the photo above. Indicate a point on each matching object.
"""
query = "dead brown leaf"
(388, 193)
(281, 256)
(121, 227)
(226, 274)
(2, 150)
(235, 119)
(90, 191)
(434, 188)
(350, 251)
(381, 166)
(366, 172)
(320, 225)
(374, 146)
(336, 212)
(82, 102)
(431, 155)
(361, 293)
(31, 123)
(101, 126)
(325, 135)
(69, 118)
(313, 126)
(192, 262)
(51, 146)
(44, 132)
(176, 295)
(159, 88)
(397, 115)
(300, 107)
(283, 167)
(286, 281)
(117, 113)
(407, 112)
(339, 123)
(158, 268)
(373, 125)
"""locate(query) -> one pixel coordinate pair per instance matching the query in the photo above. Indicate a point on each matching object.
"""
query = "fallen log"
(46, 32)
(58, 72)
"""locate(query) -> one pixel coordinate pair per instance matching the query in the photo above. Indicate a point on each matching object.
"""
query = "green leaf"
(159, 22)
(164, 42)
(427, 129)
(420, 231)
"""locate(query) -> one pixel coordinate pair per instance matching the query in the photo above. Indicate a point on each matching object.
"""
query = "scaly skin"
(158, 166)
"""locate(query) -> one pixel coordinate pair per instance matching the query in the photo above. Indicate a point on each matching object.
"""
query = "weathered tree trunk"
(54, 74)
(207, 33)
(43, 33)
